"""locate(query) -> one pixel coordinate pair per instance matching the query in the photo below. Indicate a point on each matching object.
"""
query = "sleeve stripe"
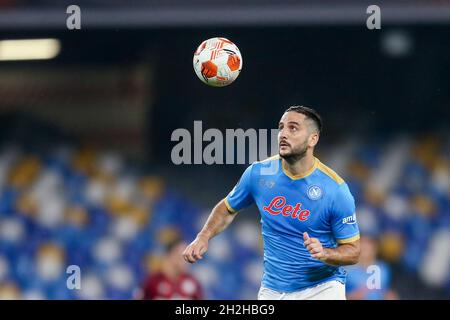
(230, 208)
(348, 240)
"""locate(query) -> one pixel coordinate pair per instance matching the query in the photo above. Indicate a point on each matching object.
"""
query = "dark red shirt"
(185, 287)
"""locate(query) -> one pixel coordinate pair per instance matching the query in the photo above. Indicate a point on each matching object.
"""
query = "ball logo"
(314, 192)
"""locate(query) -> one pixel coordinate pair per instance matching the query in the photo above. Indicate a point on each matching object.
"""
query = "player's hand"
(196, 249)
(314, 247)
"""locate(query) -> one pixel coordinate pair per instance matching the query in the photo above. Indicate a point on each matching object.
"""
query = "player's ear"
(313, 139)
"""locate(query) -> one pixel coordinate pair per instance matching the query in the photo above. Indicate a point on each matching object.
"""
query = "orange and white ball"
(217, 62)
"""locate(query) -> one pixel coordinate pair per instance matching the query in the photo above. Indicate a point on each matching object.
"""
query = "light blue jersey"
(318, 202)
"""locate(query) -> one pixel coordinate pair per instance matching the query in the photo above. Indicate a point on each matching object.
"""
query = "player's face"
(368, 250)
(294, 135)
(176, 257)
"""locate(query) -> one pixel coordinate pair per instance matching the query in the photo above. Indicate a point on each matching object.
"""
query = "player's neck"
(301, 166)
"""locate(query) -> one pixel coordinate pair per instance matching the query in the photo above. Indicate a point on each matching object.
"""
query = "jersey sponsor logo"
(278, 206)
(314, 192)
(350, 219)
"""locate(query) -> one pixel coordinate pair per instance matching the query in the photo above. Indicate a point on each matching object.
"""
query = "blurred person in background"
(172, 280)
(361, 282)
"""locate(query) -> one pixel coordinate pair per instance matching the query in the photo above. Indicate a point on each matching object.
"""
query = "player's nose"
(281, 135)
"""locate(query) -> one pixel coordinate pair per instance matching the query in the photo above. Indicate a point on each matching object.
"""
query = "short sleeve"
(241, 196)
(343, 216)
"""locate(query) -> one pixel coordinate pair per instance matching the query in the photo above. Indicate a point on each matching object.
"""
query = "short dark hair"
(310, 113)
(170, 245)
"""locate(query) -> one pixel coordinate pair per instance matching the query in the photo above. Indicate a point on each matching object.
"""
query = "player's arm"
(345, 230)
(344, 254)
(219, 219)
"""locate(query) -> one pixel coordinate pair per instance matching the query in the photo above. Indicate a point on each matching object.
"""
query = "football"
(217, 62)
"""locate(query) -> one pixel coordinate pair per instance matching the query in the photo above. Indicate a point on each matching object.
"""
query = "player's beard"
(296, 154)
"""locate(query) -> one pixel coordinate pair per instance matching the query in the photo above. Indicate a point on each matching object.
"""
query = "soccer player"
(307, 212)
